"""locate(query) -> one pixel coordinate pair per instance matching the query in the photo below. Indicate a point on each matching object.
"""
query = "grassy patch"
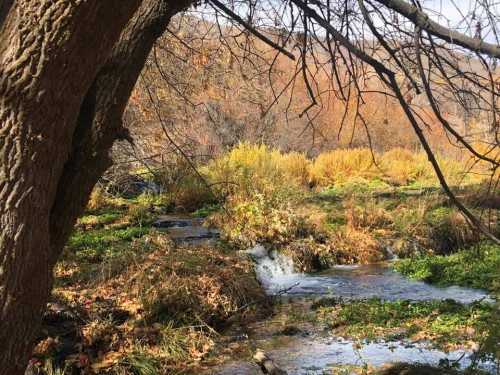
(207, 210)
(446, 323)
(477, 267)
(97, 220)
(98, 244)
(138, 304)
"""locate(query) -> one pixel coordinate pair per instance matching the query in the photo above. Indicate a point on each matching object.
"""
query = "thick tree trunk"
(62, 95)
(100, 118)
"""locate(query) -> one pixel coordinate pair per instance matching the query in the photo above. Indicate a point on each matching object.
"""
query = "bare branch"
(422, 20)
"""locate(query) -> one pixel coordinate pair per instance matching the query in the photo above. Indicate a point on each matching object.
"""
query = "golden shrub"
(338, 166)
(297, 168)
(97, 200)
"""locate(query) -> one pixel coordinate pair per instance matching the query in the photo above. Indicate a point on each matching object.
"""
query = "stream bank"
(362, 319)
(184, 302)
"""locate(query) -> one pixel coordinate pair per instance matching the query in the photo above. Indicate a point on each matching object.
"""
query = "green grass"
(359, 186)
(98, 244)
(478, 267)
(444, 322)
(207, 210)
(100, 219)
(140, 363)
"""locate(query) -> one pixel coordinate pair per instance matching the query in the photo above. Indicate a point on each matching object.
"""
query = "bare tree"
(399, 51)
(68, 69)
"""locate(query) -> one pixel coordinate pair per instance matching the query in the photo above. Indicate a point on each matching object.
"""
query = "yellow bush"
(340, 165)
(358, 246)
(368, 215)
(297, 168)
(259, 219)
(402, 167)
(254, 168)
(249, 168)
(97, 200)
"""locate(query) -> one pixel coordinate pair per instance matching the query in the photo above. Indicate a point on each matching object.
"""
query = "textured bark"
(62, 95)
(100, 118)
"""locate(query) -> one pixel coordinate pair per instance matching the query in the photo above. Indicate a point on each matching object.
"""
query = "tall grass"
(396, 167)
(403, 167)
(260, 184)
(248, 168)
(339, 166)
(296, 168)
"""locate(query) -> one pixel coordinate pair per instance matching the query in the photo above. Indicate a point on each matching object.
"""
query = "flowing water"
(186, 230)
(317, 354)
(320, 355)
(276, 273)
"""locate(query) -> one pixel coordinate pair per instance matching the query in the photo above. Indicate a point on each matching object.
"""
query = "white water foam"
(276, 273)
(274, 270)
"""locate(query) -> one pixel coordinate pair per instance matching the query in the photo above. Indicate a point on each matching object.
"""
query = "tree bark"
(67, 72)
(100, 118)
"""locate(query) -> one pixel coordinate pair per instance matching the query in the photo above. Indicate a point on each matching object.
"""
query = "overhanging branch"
(422, 20)
(250, 28)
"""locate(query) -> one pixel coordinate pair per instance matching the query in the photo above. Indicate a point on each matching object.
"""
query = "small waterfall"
(274, 270)
(390, 255)
(276, 273)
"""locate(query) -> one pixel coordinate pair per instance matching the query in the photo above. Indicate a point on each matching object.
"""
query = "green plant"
(446, 322)
(207, 210)
(477, 267)
(260, 218)
(140, 362)
(140, 215)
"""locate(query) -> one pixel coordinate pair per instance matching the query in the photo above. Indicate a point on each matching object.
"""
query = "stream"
(320, 353)
(276, 273)
(308, 354)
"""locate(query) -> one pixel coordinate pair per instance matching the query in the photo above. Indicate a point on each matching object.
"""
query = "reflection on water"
(315, 355)
(319, 355)
(275, 271)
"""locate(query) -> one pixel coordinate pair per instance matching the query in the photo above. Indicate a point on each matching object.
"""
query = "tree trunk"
(100, 117)
(67, 71)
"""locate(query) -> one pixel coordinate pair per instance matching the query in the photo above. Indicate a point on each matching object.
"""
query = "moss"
(477, 267)
(446, 323)
(98, 244)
